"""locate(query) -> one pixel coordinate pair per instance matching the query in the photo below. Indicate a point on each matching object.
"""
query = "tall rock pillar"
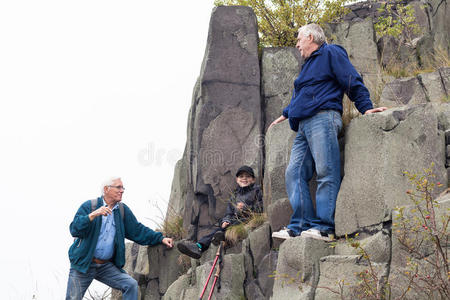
(224, 125)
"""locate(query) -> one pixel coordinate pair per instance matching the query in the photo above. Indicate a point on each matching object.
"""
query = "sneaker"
(218, 237)
(283, 234)
(316, 234)
(190, 249)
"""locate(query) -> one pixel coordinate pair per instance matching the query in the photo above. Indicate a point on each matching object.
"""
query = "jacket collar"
(245, 189)
(318, 51)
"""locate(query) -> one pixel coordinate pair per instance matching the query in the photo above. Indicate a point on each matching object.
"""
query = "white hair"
(315, 31)
(109, 182)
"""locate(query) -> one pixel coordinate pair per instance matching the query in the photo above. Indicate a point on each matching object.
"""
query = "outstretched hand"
(168, 242)
(375, 110)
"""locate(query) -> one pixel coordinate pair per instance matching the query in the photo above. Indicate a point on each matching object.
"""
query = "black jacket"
(251, 196)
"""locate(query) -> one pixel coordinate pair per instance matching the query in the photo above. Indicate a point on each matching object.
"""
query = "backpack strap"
(94, 203)
(122, 210)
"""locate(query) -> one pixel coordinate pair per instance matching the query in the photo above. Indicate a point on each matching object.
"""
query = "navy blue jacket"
(324, 78)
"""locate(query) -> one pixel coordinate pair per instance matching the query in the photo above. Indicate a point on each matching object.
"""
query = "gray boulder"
(421, 252)
(440, 24)
(379, 149)
(178, 288)
(265, 272)
(339, 277)
(279, 214)
(259, 243)
(358, 38)
(178, 191)
(377, 246)
(403, 91)
(298, 268)
(433, 85)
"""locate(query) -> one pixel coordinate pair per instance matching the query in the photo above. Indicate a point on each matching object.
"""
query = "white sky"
(88, 89)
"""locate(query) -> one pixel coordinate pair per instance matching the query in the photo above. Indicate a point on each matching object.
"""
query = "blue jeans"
(107, 273)
(316, 148)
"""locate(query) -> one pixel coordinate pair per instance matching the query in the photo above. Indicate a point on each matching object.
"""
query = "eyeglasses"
(119, 187)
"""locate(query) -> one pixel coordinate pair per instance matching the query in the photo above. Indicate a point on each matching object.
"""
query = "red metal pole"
(210, 272)
(216, 276)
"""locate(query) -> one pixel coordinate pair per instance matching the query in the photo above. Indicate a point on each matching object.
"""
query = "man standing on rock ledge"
(315, 113)
(98, 252)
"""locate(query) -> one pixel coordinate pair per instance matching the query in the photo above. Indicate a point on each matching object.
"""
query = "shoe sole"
(316, 237)
(281, 237)
(185, 250)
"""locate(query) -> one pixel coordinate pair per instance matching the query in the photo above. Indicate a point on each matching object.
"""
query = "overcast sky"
(88, 89)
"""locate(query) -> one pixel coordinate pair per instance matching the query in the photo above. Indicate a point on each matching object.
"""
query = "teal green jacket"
(86, 233)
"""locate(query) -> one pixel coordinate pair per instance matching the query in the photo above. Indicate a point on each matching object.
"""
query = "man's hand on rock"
(375, 110)
(225, 224)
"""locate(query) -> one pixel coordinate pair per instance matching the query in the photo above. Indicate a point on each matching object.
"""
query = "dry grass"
(170, 224)
(440, 58)
(238, 232)
(173, 227)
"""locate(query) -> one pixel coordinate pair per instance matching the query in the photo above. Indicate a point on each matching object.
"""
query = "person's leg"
(205, 241)
(110, 275)
(78, 283)
(298, 173)
(322, 135)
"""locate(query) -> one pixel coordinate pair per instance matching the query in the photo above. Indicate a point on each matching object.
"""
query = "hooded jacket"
(86, 233)
(324, 78)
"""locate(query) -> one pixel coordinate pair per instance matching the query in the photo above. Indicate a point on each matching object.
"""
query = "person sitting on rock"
(245, 201)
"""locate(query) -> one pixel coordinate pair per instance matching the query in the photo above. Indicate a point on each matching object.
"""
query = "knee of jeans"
(290, 172)
(131, 284)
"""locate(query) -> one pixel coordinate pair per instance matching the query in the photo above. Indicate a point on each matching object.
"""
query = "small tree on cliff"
(279, 20)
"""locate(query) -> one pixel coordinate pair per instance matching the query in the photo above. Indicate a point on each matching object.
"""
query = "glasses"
(119, 187)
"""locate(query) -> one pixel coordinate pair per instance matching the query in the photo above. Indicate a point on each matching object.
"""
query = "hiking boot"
(190, 249)
(284, 234)
(318, 235)
(218, 237)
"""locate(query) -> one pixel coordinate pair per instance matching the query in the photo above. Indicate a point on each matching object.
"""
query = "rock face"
(233, 104)
(358, 38)
(224, 120)
(426, 87)
(379, 149)
(280, 67)
(298, 263)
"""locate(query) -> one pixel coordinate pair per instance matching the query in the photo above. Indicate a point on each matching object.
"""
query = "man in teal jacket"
(98, 251)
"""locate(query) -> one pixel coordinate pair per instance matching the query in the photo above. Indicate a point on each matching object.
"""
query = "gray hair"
(315, 31)
(108, 182)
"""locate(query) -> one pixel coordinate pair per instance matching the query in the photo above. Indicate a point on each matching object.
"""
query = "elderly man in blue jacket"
(315, 114)
(98, 252)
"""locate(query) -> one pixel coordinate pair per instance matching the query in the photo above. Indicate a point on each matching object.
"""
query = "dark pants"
(206, 240)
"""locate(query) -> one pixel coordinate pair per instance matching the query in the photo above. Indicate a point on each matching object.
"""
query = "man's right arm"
(81, 222)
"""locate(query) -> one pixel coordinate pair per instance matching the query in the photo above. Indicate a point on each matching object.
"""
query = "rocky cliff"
(238, 93)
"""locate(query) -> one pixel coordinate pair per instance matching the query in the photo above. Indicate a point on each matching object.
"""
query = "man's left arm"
(351, 81)
(141, 234)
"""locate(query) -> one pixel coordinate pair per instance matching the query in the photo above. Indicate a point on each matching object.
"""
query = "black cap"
(245, 169)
